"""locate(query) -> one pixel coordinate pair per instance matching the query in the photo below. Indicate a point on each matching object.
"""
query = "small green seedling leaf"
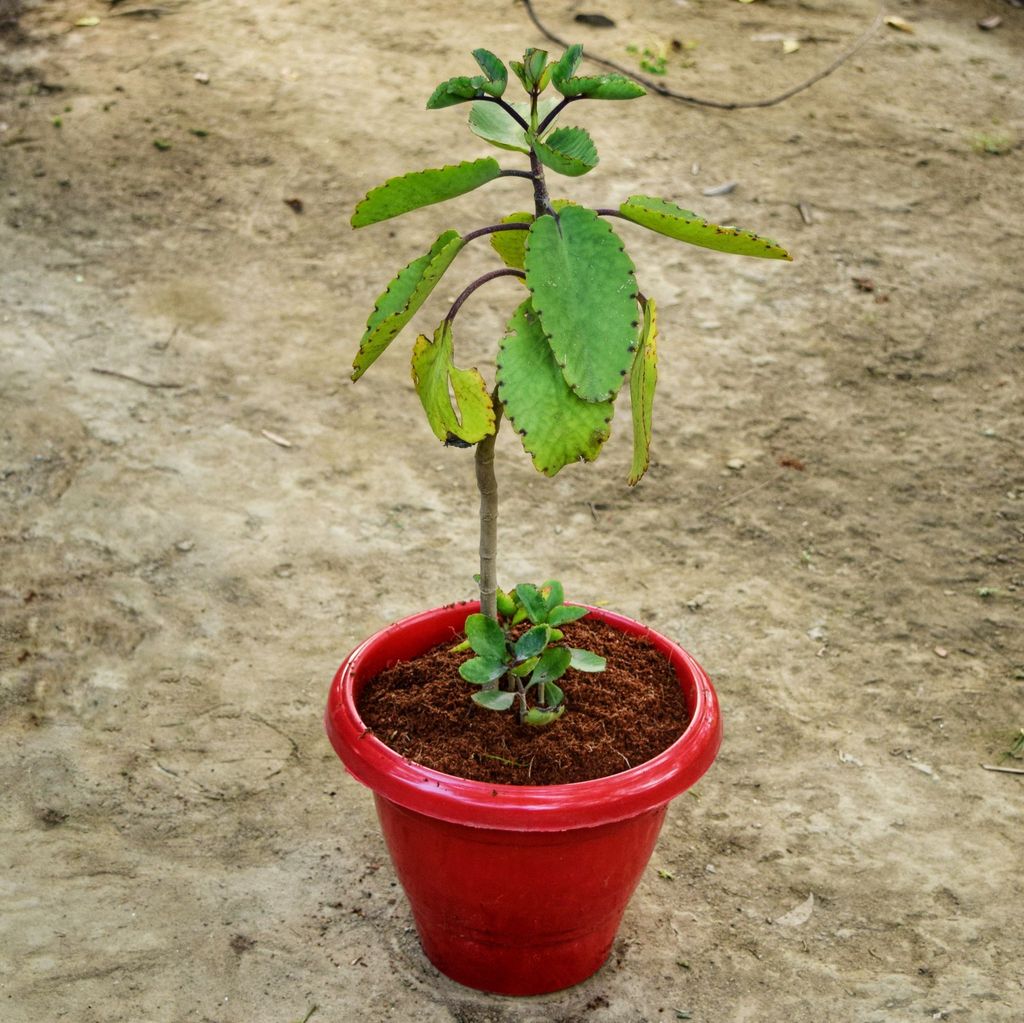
(460, 648)
(643, 378)
(437, 380)
(494, 699)
(494, 124)
(585, 294)
(486, 637)
(668, 219)
(553, 664)
(533, 603)
(553, 696)
(586, 660)
(494, 69)
(565, 614)
(423, 188)
(403, 297)
(556, 426)
(524, 669)
(481, 670)
(539, 718)
(532, 642)
(506, 604)
(553, 593)
(520, 616)
(569, 151)
(600, 87)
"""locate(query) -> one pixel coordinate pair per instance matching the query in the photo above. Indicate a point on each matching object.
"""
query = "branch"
(554, 113)
(480, 232)
(507, 272)
(507, 108)
(663, 90)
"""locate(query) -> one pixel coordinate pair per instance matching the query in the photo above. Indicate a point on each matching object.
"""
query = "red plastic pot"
(517, 890)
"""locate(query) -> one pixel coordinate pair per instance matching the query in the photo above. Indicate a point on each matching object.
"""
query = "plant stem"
(487, 485)
(609, 213)
(480, 232)
(507, 272)
(515, 174)
(541, 201)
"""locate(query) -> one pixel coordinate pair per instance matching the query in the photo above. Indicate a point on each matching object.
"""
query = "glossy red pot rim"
(515, 807)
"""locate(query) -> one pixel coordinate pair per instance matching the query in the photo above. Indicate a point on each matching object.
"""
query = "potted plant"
(519, 888)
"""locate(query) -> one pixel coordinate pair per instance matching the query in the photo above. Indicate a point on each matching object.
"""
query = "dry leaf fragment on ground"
(276, 439)
(723, 189)
(900, 24)
(989, 23)
(797, 916)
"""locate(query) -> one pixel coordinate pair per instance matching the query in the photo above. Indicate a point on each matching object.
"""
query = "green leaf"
(553, 664)
(568, 151)
(520, 73)
(422, 188)
(456, 90)
(585, 294)
(526, 667)
(585, 660)
(553, 695)
(600, 87)
(554, 593)
(566, 65)
(533, 603)
(539, 718)
(671, 220)
(437, 378)
(486, 637)
(557, 428)
(402, 297)
(506, 604)
(511, 245)
(643, 378)
(481, 670)
(565, 614)
(494, 699)
(535, 61)
(494, 124)
(532, 642)
(494, 69)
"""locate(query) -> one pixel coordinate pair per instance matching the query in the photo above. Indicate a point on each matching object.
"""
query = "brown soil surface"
(616, 719)
(833, 522)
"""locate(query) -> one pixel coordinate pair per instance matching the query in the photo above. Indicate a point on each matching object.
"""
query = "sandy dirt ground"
(178, 840)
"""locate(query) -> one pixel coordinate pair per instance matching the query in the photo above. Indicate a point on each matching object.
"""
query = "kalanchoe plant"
(582, 332)
(531, 662)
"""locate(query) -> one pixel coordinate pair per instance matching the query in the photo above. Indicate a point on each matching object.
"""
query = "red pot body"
(517, 890)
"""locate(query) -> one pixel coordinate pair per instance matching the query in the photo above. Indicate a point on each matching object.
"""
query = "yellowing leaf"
(643, 378)
(438, 381)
